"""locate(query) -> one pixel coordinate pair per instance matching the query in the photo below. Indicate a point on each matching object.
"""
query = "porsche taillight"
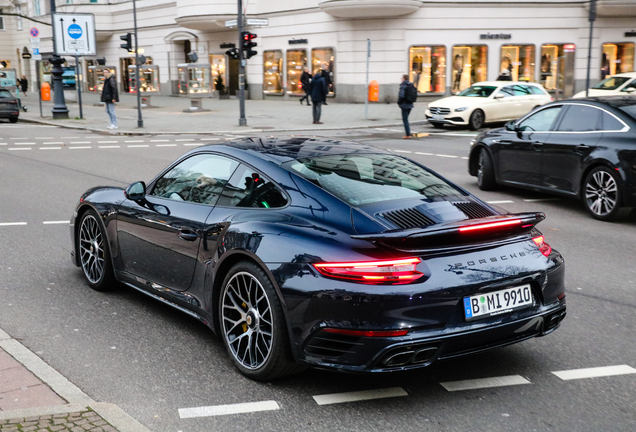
(394, 271)
(542, 245)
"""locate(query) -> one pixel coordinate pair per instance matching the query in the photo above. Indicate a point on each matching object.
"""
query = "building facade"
(443, 45)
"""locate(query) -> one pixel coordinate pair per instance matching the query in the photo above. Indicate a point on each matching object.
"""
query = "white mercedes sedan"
(616, 85)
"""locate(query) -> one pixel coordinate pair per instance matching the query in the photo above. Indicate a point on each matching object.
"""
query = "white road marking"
(382, 129)
(108, 142)
(53, 142)
(12, 223)
(25, 143)
(56, 222)
(73, 137)
(425, 154)
(138, 145)
(44, 137)
(465, 157)
(80, 148)
(80, 142)
(542, 199)
(111, 146)
(210, 139)
(335, 398)
(216, 410)
(159, 140)
(3, 143)
(131, 141)
(189, 139)
(20, 148)
(403, 151)
(480, 383)
(500, 202)
(594, 372)
(191, 145)
(447, 156)
(454, 134)
(16, 139)
(394, 130)
(50, 148)
(166, 145)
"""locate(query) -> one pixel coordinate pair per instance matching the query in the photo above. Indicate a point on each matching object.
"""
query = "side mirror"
(499, 96)
(511, 126)
(630, 89)
(136, 191)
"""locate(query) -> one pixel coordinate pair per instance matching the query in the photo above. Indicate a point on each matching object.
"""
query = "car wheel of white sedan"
(477, 119)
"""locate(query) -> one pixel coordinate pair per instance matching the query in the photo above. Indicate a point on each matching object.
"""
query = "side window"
(631, 85)
(580, 118)
(247, 188)
(536, 90)
(611, 123)
(521, 90)
(541, 120)
(507, 91)
(199, 179)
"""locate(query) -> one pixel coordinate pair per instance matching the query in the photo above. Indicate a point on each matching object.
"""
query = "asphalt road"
(124, 348)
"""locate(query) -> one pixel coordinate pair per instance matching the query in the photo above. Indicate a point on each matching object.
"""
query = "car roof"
(613, 101)
(624, 74)
(505, 83)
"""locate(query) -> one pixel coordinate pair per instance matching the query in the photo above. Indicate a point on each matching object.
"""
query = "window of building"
(273, 72)
(617, 58)
(1, 22)
(519, 61)
(470, 65)
(296, 61)
(428, 68)
(324, 59)
(219, 80)
(553, 65)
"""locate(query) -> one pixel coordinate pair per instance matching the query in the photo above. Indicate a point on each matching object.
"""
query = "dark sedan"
(306, 252)
(9, 107)
(584, 148)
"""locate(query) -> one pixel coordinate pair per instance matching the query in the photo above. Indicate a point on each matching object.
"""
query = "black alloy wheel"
(485, 172)
(253, 326)
(92, 247)
(602, 195)
(477, 119)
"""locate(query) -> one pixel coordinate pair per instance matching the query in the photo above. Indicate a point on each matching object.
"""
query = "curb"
(78, 400)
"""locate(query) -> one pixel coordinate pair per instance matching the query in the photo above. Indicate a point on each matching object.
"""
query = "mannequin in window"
(458, 68)
(546, 66)
(605, 66)
(416, 69)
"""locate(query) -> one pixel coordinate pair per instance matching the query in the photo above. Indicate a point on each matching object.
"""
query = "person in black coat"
(318, 95)
(327, 76)
(109, 97)
(405, 105)
(24, 84)
(305, 80)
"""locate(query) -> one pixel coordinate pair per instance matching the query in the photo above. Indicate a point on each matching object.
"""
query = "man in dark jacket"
(327, 76)
(318, 95)
(305, 80)
(110, 96)
(405, 106)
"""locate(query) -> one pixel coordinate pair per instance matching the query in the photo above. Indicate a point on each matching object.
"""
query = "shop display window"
(194, 78)
(218, 71)
(97, 75)
(428, 68)
(296, 61)
(148, 81)
(553, 66)
(272, 72)
(519, 61)
(5, 64)
(617, 58)
(470, 65)
(325, 59)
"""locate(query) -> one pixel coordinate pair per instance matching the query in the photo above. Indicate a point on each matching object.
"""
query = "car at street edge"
(623, 84)
(9, 105)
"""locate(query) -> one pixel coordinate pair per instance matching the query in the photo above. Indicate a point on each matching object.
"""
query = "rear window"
(370, 178)
(5, 94)
(629, 109)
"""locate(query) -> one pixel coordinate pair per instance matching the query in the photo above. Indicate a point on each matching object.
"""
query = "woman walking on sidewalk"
(109, 97)
(305, 80)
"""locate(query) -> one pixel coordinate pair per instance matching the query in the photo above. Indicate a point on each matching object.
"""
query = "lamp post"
(140, 120)
(59, 111)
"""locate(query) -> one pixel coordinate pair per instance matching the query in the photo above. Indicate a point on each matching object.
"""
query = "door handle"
(187, 235)
(582, 147)
(537, 143)
(505, 142)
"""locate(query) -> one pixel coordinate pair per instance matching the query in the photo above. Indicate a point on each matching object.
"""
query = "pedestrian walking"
(305, 80)
(109, 97)
(406, 96)
(24, 84)
(326, 74)
(318, 95)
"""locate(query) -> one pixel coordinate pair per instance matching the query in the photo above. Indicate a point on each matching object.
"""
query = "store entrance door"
(233, 77)
(123, 67)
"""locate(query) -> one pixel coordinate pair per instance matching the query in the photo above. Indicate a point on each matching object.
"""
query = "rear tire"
(94, 254)
(602, 192)
(13, 119)
(477, 119)
(485, 172)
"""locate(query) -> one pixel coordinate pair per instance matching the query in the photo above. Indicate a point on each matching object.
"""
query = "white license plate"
(438, 117)
(497, 302)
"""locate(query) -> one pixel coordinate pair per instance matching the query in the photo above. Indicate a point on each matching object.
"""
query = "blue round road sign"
(34, 32)
(74, 31)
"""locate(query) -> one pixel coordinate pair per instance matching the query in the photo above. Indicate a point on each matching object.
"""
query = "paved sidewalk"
(35, 397)
(223, 115)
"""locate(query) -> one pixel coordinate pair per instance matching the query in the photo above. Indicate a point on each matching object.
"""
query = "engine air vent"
(473, 210)
(407, 218)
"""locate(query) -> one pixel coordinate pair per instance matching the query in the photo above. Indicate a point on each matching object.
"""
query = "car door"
(159, 236)
(519, 153)
(575, 138)
(502, 103)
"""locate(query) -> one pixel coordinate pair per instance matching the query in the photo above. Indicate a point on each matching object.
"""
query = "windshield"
(359, 179)
(478, 91)
(611, 83)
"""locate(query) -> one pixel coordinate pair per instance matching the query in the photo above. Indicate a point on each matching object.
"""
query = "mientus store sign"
(495, 36)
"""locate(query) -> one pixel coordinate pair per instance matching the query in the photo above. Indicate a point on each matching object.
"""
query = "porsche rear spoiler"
(492, 226)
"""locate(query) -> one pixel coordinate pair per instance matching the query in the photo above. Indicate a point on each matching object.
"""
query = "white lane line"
(454, 134)
(138, 145)
(132, 141)
(56, 222)
(480, 383)
(403, 151)
(465, 157)
(24, 143)
(108, 142)
(216, 410)
(335, 398)
(166, 145)
(500, 202)
(53, 142)
(425, 154)
(109, 146)
(44, 137)
(447, 156)
(542, 199)
(79, 148)
(210, 139)
(189, 139)
(73, 137)
(3, 143)
(595, 372)
(159, 140)
(382, 129)
(394, 130)
(50, 148)
(20, 148)
(192, 145)
(16, 139)
(80, 142)
(12, 223)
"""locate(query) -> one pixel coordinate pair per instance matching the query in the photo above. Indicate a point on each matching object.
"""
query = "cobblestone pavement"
(70, 422)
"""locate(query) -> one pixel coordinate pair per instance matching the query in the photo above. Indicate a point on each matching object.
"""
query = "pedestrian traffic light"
(233, 53)
(247, 44)
(128, 46)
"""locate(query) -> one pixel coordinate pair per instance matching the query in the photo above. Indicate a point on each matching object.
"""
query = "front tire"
(602, 195)
(485, 172)
(13, 119)
(94, 254)
(252, 324)
(438, 125)
(477, 119)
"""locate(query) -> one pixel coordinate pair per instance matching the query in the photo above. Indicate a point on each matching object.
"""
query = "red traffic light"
(247, 36)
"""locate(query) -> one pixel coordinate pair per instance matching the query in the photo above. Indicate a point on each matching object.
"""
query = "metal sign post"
(59, 111)
(242, 119)
(591, 18)
(140, 120)
(366, 99)
(78, 83)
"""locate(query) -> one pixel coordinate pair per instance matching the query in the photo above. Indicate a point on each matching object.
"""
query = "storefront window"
(470, 65)
(553, 67)
(428, 68)
(518, 60)
(273, 72)
(194, 78)
(324, 59)
(296, 61)
(5, 64)
(218, 71)
(617, 58)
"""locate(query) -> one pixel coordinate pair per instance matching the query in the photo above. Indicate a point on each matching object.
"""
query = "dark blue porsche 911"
(311, 252)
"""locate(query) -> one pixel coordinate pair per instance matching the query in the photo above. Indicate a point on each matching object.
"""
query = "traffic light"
(247, 44)
(128, 46)
(232, 53)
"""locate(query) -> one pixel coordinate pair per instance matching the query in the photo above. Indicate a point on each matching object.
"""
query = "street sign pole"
(366, 99)
(59, 111)
(140, 120)
(242, 119)
(592, 18)
(78, 83)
